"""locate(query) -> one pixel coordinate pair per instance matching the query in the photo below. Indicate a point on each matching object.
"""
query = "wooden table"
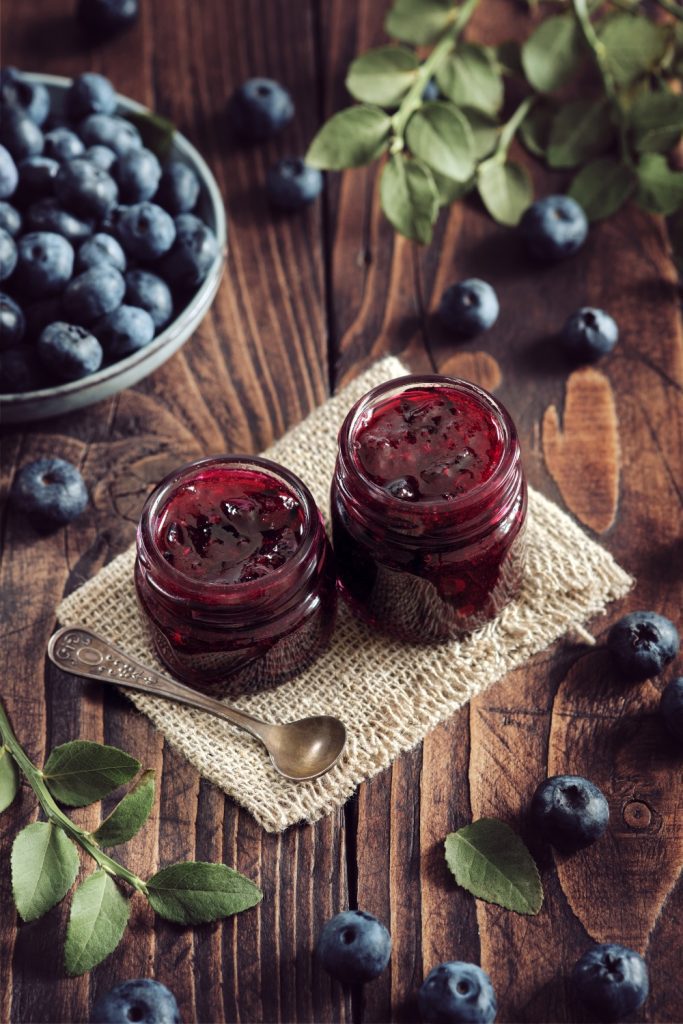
(306, 301)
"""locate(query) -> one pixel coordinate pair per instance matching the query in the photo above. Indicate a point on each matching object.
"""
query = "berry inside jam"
(229, 526)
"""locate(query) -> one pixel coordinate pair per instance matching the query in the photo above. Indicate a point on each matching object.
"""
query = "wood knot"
(637, 815)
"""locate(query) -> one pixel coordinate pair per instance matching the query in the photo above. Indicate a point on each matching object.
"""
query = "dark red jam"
(234, 574)
(428, 508)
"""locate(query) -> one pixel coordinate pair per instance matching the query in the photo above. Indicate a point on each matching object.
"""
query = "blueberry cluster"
(99, 243)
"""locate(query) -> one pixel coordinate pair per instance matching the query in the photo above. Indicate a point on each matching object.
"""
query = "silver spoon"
(299, 750)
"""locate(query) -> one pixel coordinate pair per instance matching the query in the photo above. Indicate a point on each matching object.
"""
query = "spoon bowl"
(308, 748)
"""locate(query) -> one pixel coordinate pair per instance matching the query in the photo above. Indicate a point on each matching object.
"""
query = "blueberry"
(554, 228)
(19, 371)
(101, 156)
(112, 131)
(569, 812)
(671, 707)
(291, 184)
(50, 491)
(45, 263)
(643, 644)
(611, 980)
(124, 331)
(30, 98)
(20, 134)
(86, 189)
(145, 231)
(93, 294)
(178, 188)
(260, 108)
(10, 219)
(142, 999)
(589, 333)
(193, 252)
(431, 91)
(69, 352)
(149, 292)
(9, 175)
(12, 322)
(104, 18)
(137, 173)
(354, 947)
(90, 93)
(469, 307)
(457, 991)
(101, 248)
(8, 254)
(48, 215)
(63, 144)
(36, 178)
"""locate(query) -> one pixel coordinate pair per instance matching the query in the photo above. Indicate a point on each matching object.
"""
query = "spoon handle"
(81, 652)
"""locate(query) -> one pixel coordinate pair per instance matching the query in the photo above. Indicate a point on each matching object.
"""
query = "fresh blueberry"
(30, 98)
(36, 178)
(431, 91)
(104, 18)
(9, 175)
(554, 228)
(50, 491)
(145, 231)
(86, 189)
(291, 184)
(671, 707)
(69, 352)
(178, 188)
(569, 812)
(93, 294)
(48, 215)
(20, 371)
(112, 131)
(10, 219)
(457, 991)
(63, 144)
(469, 307)
(124, 331)
(643, 644)
(101, 156)
(12, 322)
(101, 248)
(90, 93)
(8, 255)
(589, 333)
(354, 947)
(149, 292)
(137, 173)
(611, 980)
(142, 999)
(260, 108)
(20, 135)
(193, 252)
(45, 263)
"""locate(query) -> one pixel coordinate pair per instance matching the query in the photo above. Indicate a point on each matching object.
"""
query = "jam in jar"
(428, 508)
(234, 574)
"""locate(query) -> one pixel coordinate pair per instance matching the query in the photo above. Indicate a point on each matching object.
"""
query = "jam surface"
(229, 525)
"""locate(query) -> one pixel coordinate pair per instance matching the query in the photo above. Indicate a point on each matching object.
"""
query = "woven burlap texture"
(389, 694)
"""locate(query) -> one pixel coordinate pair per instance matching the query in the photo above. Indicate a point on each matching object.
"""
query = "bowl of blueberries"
(112, 242)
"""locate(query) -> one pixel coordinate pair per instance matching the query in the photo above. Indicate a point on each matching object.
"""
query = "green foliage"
(505, 190)
(490, 860)
(440, 135)
(660, 189)
(552, 54)
(579, 132)
(410, 198)
(656, 121)
(470, 77)
(81, 772)
(382, 76)
(635, 46)
(196, 893)
(98, 919)
(44, 867)
(9, 779)
(156, 132)
(418, 21)
(129, 815)
(602, 187)
(352, 138)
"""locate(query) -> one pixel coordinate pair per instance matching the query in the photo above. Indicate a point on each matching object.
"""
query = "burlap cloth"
(389, 694)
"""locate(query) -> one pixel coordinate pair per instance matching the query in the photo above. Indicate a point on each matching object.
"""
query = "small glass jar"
(428, 508)
(235, 575)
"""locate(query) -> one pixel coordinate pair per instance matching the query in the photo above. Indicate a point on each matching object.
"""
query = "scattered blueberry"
(93, 294)
(569, 812)
(19, 371)
(178, 188)
(45, 262)
(36, 178)
(145, 230)
(354, 947)
(457, 991)
(260, 108)
(124, 331)
(142, 999)
(137, 173)
(104, 18)
(671, 707)
(643, 644)
(8, 254)
(20, 135)
(589, 333)
(9, 175)
(86, 189)
(12, 322)
(112, 131)
(50, 491)
(611, 980)
(90, 93)
(101, 248)
(10, 219)
(431, 91)
(150, 292)
(193, 252)
(101, 156)
(554, 228)
(63, 144)
(469, 307)
(30, 98)
(69, 352)
(48, 215)
(291, 184)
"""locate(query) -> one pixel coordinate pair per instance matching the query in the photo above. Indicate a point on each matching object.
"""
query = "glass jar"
(234, 574)
(428, 508)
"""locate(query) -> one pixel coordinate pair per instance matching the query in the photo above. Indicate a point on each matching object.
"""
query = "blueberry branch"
(509, 129)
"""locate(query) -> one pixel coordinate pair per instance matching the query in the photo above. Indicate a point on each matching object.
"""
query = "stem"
(672, 7)
(509, 130)
(54, 813)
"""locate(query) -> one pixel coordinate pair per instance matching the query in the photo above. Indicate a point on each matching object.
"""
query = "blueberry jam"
(235, 575)
(428, 508)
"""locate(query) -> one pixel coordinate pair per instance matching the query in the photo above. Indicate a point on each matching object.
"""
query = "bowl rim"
(190, 315)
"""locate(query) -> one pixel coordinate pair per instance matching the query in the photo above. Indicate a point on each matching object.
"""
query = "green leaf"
(440, 135)
(660, 189)
(449, 190)
(351, 138)
(552, 54)
(382, 76)
(194, 892)
(44, 867)
(81, 772)
(656, 120)
(534, 130)
(156, 131)
(129, 815)
(419, 21)
(409, 197)
(579, 132)
(485, 131)
(491, 861)
(635, 45)
(509, 57)
(9, 779)
(602, 187)
(98, 919)
(470, 77)
(505, 190)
